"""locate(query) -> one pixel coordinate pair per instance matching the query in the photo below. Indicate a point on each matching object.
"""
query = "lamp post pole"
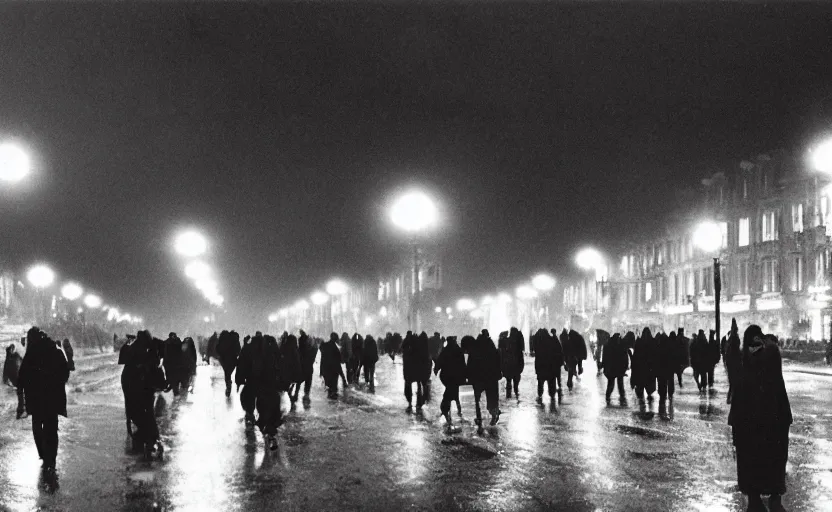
(717, 293)
(415, 302)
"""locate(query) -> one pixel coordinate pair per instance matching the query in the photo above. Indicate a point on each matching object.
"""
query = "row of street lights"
(41, 277)
(335, 288)
(191, 245)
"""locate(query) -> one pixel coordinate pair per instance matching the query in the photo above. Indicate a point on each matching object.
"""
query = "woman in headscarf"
(43, 374)
(760, 417)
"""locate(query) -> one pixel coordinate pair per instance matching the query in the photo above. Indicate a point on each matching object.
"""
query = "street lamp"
(463, 305)
(72, 291)
(414, 213)
(14, 163)
(590, 259)
(821, 156)
(190, 244)
(319, 298)
(545, 284)
(708, 237)
(40, 276)
(197, 269)
(92, 301)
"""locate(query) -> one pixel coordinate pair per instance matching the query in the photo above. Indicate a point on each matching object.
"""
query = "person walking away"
(331, 365)
(410, 370)
(557, 347)
(713, 359)
(683, 354)
(574, 353)
(450, 366)
(733, 359)
(616, 362)
(435, 344)
(228, 350)
(760, 418)
(699, 360)
(291, 373)
(43, 375)
(308, 350)
(265, 373)
(547, 363)
(356, 350)
(424, 365)
(483, 370)
(174, 363)
(142, 377)
(666, 368)
(11, 371)
(211, 348)
(346, 355)
(601, 339)
(644, 366)
(242, 377)
(189, 359)
(512, 361)
(369, 358)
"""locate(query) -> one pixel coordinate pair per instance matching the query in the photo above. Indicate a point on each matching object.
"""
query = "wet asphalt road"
(365, 452)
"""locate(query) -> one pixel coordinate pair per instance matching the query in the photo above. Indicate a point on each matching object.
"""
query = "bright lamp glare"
(526, 292)
(301, 305)
(465, 305)
(206, 285)
(336, 287)
(413, 212)
(14, 163)
(273, 317)
(822, 157)
(283, 313)
(368, 322)
(504, 298)
(487, 300)
(543, 282)
(589, 259)
(92, 301)
(707, 236)
(72, 291)
(190, 244)
(319, 298)
(197, 270)
(40, 276)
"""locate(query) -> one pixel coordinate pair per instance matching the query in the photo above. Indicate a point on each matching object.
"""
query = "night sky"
(283, 130)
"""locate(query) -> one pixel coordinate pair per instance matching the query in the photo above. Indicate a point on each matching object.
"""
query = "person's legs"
(540, 387)
(37, 433)
(710, 377)
(408, 392)
(50, 440)
(508, 387)
(492, 400)
(610, 387)
(622, 393)
(21, 402)
(478, 389)
(517, 386)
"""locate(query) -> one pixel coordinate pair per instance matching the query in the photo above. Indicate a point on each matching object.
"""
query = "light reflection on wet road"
(364, 452)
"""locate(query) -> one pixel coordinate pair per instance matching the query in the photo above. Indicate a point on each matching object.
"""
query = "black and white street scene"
(438, 256)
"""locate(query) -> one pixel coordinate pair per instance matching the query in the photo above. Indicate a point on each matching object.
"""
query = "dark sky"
(282, 131)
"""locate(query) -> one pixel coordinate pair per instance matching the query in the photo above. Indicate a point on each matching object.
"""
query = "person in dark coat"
(700, 360)
(242, 377)
(345, 345)
(483, 371)
(43, 375)
(547, 363)
(574, 354)
(394, 347)
(265, 374)
(410, 369)
(644, 364)
(141, 378)
(291, 371)
(557, 347)
(668, 363)
(174, 363)
(189, 359)
(356, 356)
(369, 358)
(733, 359)
(228, 350)
(331, 365)
(512, 347)
(11, 371)
(714, 356)
(760, 418)
(682, 354)
(601, 339)
(435, 344)
(308, 351)
(450, 366)
(616, 362)
(211, 348)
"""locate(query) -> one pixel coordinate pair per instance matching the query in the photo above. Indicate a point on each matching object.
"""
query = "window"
(398, 288)
(721, 194)
(659, 255)
(742, 239)
(797, 274)
(381, 291)
(675, 291)
(624, 265)
(797, 218)
(742, 277)
(770, 281)
(648, 291)
(744, 188)
(723, 230)
(691, 288)
(769, 226)
(820, 269)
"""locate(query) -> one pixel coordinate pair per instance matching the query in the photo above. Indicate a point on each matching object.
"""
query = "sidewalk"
(821, 369)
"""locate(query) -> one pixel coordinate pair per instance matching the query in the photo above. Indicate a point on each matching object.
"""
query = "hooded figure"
(682, 354)
(435, 346)
(265, 374)
(450, 365)
(43, 374)
(667, 364)
(644, 365)
(602, 337)
(331, 365)
(512, 360)
(760, 418)
(11, 371)
(308, 350)
(574, 354)
(248, 396)
(733, 359)
(176, 369)
(356, 350)
(483, 371)
(369, 358)
(189, 358)
(548, 360)
(616, 361)
(141, 378)
(291, 371)
(228, 350)
(700, 361)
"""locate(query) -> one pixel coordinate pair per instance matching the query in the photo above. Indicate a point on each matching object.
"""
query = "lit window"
(769, 226)
(745, 188)
(398, 288)
(770, 280)
(648, 291)
(742, 277)
(659, 255)
(742, 239)
(797, 218)
(723, 230)
(797, 274)
(381, 291)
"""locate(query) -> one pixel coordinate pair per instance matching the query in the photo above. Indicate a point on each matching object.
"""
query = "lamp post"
(14, 163)
(590, 259)
(40, 276)
(319, 298)
(708, 237)
(544, 284)
(335, 288)
(414, 213)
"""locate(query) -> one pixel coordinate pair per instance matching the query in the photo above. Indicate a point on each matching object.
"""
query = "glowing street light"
(40, 276)
(283, 313)
(413, 212)
(197, 269)
(821, 156)
(487, 300)
(589, 259)
(14, 163)
(92, 301)
(336, 287)
(273, 318)
(707, 236)
(465, 305)
(525, 292)
(301, 305)
(319, 298)
(190, 244)
(543, 282)
(504, 298)
(206, 285)
(72, 291)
